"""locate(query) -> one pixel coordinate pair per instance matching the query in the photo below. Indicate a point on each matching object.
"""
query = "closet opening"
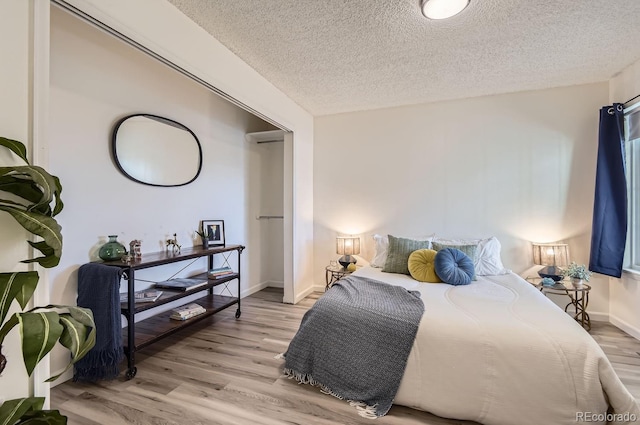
(275, 235)
(268, 175)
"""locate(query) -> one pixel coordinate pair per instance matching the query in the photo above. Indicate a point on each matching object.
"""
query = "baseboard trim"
(319, 288)
(275, 284)
(628, 328)
(598, 316)
(305, 293)
(255, 288)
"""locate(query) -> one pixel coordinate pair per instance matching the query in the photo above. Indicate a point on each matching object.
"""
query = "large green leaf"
(17, 286)
(48, 260)
(16, 147)
(77, 338)
(77, 334)
(84, 316)
(13, 203)
(43, 417)
(33, 174)
(39, 331)
(73, 335)
(3, 361)
(8, 325)
(81, 314)
(43, 226)
(12, 410)
(57, 192)
(21, 188)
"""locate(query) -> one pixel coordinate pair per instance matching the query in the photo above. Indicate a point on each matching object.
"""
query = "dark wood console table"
(147, 331)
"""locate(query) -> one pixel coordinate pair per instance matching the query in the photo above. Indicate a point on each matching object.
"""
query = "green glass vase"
(112, 250)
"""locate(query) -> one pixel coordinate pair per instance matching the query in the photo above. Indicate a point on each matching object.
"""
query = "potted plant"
(204, 235)
(33, 200)
(578, 273)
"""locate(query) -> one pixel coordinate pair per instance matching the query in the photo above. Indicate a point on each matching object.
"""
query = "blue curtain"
(609, 232)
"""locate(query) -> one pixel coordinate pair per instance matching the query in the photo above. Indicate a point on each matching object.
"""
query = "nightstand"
(579, 297)
(333, 274)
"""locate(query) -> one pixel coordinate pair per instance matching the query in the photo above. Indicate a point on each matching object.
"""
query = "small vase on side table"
(112, 250)
(577, 283)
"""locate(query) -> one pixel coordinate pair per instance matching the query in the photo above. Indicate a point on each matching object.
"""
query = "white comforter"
(499, 352)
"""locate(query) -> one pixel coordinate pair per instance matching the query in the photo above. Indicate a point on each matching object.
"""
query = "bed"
(498, 352)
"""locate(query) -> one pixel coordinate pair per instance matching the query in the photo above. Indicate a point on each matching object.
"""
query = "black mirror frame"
(166, 121)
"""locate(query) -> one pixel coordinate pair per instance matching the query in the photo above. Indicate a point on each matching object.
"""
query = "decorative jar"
(112, 250)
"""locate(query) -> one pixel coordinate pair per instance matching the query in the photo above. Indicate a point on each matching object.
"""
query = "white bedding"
(499, 352)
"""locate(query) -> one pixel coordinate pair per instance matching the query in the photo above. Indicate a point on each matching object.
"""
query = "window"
(632, 150)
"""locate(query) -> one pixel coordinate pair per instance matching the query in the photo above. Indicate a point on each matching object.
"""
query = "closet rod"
(262, 217)
(270, 141)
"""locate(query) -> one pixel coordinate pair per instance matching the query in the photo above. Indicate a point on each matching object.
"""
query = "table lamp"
(347, 246)
(553, 256)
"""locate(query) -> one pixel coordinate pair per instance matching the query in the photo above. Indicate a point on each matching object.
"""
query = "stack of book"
(187, 311)
(220, 272)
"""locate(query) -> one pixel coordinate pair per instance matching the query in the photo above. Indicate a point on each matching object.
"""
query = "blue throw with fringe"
(98, 290)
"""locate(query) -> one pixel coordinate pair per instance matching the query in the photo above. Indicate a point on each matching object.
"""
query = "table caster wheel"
(238, 314)
(132, 372)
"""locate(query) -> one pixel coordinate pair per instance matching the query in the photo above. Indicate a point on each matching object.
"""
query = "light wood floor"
(223, 371)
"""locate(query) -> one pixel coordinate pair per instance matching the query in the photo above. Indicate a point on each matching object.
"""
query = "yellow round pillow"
(421, 266)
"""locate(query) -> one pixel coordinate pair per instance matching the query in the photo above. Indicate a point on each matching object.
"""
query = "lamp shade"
(347, 245)
(551, 254)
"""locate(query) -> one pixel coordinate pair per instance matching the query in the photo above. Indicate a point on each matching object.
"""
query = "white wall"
(15, 121)
(195, 51)
(624, 297)
(518, 166)
(96, 80)
(190, 47)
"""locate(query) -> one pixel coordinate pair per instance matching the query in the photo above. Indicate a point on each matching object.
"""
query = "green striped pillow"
(470, 250)
(399, 251)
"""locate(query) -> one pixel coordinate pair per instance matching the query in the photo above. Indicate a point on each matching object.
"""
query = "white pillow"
(487, 261)
(381, 248)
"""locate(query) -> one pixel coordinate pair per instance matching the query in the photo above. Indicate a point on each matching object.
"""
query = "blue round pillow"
(454, 266)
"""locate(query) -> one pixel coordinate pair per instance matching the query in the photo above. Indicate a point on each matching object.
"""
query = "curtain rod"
(633, 98)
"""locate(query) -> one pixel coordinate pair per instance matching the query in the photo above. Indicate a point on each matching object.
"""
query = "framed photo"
(214, 230)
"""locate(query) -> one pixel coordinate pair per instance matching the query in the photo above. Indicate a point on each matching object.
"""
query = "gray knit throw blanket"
(355, 341)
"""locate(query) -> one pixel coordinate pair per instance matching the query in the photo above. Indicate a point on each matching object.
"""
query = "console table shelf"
(170, 295)
(145, 332)
(150, 330)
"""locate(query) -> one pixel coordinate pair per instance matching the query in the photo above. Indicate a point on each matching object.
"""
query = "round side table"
(333, 274)
(578, 296)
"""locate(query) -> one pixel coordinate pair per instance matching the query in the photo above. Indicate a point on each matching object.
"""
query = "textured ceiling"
(333, 56)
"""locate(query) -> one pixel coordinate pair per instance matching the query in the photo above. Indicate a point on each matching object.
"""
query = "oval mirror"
(156, 151)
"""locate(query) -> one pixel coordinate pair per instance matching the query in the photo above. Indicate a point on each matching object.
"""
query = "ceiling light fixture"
(442, 9)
